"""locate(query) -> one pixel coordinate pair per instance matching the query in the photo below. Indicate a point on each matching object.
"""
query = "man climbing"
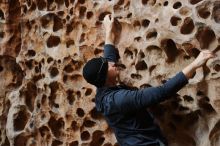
(125, 109)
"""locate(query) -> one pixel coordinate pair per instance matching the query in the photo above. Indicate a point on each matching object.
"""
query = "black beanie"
(95, 71)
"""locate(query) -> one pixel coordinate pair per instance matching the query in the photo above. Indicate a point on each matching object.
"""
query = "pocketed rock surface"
(44, 100)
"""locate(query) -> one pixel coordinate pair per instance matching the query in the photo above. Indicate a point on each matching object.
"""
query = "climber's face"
(113, 73)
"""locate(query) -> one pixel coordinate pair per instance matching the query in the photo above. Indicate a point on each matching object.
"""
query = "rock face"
(44, 45)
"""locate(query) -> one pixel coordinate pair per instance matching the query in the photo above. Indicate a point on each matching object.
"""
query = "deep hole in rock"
(89, 14)
(137, 39)
(68, 68)
(145, 22)
(151, 68)
(137, 24)
(145, 86)
(102, 15)
(70, 96)
(41, 4)
(217, 67)
(69, 28)
(56, 126)
(49, 59)
(175, 20)
(44, 130)
(193, 2)
(53, 71)
(82, 11)
(74, 143)
(82, 37)
(141, 65)
(53, 41)
(165, 3)
(136, 76)
(177, 5)
(88, 123)
(69, 43)
(21, 118)
(57, 143)
(205, 36)
(81, 1)
(141, 54)
(128, 53)
(216, 11)
(195, 52)
(30, 94)
(88, 92)
(31, 53)
(74, 125)
(97, 51)
(129, 15)
(151, 35)
(21, 140)
(95, 114)
(85, 135)
(66, 3)
(170, 49)
(188, 26)
(97, 138)
(80, 112)
(188, 98)
(204, 13)
(58, 24)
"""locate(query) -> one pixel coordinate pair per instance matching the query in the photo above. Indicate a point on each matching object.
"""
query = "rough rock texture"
(44, 44)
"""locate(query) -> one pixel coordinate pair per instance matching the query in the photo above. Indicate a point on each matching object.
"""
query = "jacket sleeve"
(111, 53)
(134, 100)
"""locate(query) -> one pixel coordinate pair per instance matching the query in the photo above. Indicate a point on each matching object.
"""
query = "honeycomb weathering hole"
(81, 1)
(85, 135)
(170, 49)
(188, 26)
(89, 14)
(151, 35)
(205, 36)
(204, 13)
(102, 15)
(57, 143)
(177, 5)
(80, 112)
(82, 11)
(53, 41)
(194, 1)
(56, 126)
(21, 118)
(145, 22)
(141, 65)
(58, 23)
(74, 143)
(216, 12)
(89, 123)
(97, 138)
(217, 67)
(175, 20)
